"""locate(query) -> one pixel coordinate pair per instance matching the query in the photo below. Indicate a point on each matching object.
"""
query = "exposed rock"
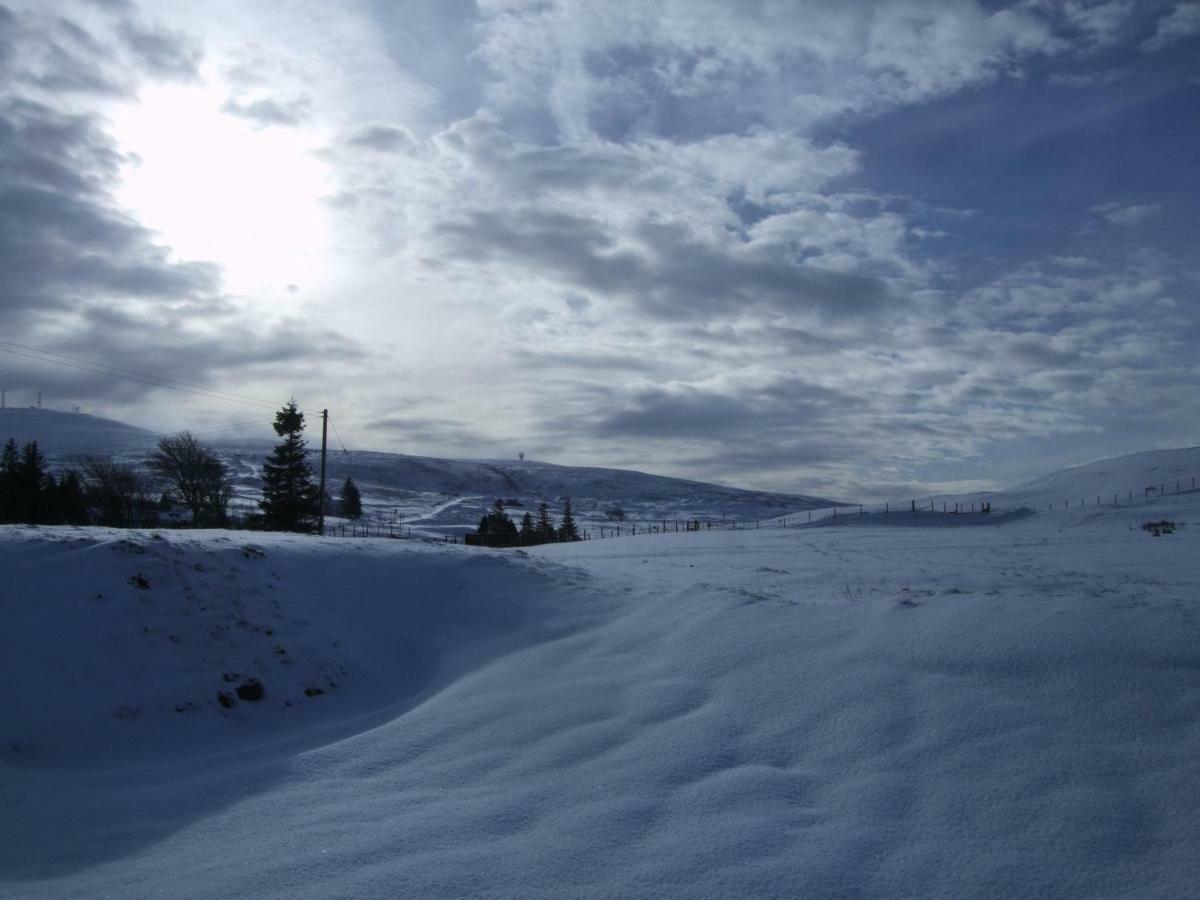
(251, 690)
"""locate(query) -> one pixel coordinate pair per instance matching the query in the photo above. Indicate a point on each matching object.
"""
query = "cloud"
(382, 138)
(81, 275)
(1118, 214)
(664, 237)
(622, 69)
(162, 53)
(681, 410)
(265, 112)
(60, 235)
(1102, 23)
(1181, 23)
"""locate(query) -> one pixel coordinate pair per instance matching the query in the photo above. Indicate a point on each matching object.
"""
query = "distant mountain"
(61, 435)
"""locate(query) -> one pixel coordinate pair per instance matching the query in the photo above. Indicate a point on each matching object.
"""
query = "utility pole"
(321, 499)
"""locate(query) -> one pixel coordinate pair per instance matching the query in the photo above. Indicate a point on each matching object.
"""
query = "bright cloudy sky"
(854, 249)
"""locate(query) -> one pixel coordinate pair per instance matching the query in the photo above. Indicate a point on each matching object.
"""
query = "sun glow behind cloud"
(216, 188)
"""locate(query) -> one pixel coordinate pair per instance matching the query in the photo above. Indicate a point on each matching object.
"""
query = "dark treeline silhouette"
(496, 529)
(181, 472)
(29, 493)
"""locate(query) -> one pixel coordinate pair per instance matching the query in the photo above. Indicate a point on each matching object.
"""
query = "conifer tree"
(498, 527)
(31, 476)
(72, 500)
(289, 501)
(51, 501)
(567, 530)
(528, 530)
(351, 500)
(546, 532)
(10, 462)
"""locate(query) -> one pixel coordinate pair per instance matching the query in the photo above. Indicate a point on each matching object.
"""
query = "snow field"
(866, 712)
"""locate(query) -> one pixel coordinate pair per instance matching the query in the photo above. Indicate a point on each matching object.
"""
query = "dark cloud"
(58, 55)
(63, 57)
(672, 275)
(686, 411)
(381, 138)
(265, 112)
(82, 277)
(61, 238)
(161, 53)
(596, 361)
(424, 431)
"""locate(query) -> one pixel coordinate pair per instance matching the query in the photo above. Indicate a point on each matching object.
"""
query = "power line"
(338, 436)
(95, 368)
(130, 442)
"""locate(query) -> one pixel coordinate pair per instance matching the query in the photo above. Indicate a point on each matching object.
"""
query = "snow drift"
(864, 712)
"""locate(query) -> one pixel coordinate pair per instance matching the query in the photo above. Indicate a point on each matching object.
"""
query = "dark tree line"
(30, 493)
(105, 492)
(496, 529)
(102, 491)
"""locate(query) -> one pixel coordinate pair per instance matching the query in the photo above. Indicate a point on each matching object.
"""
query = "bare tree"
(197, 475)
(118, 490)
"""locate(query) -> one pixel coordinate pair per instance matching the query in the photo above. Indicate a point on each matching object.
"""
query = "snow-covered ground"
(1004, 710)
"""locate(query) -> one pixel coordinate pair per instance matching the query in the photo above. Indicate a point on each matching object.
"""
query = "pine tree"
(351, 500)
(546, 532)
(51, 500)
(10, 462)
(528, 530)
(498, 527)
(31, 477)
(289, 501)
(567, 531)
(72, 499)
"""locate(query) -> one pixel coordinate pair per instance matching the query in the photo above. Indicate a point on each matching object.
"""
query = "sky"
(859, 250)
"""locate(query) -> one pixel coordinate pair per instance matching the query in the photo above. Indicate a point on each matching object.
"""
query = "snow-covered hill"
(1143, 475)
(62, 435)
(426, 495)
(869, 712)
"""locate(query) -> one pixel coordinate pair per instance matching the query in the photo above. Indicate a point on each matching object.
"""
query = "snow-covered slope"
(455, 493)
(1144, 475)
(63, 435)
(867, 712)
(427, 495)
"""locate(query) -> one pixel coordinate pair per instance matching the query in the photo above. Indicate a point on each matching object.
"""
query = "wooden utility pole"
(321, 498)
